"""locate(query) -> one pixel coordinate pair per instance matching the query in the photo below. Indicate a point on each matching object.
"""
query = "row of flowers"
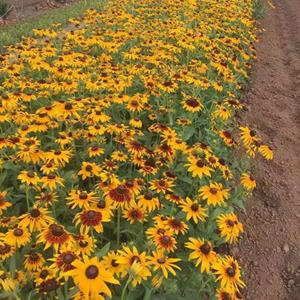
(121, 162)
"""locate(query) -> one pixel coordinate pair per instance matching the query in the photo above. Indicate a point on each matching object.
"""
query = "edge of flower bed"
(13, 33)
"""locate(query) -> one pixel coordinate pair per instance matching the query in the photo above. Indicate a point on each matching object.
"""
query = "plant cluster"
(121, 164)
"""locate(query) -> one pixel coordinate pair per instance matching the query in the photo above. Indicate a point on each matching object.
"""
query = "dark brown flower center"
(35, 213)
(91, 214)
(44, 274)
(68, 258)
(101, 204)
(57, 152)
(135, 259)
(195, 207)
(30, 174)
(205, 248)
(18, 232)
(230, 223)
(161, 260)
(230, 272)
(213, 191)
(83, 196)
(166, 240)
(192, 102)
(91, 272)
(51, 176)
(121, 189)
(33, 257)
(114, 263)
(148, 196)
(130, 184)
(68, 106)
(56, 230)
(89, 168)
(83, 244)
(200, 164)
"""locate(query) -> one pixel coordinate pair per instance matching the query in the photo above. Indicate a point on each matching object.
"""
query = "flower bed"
(120, 160)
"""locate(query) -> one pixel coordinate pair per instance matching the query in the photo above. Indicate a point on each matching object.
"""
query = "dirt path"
(270, 250)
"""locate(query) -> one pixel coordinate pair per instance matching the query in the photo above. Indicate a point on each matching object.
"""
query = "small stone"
(286, 248)
(278, 249)
(235, 251)
(291, 282)
(255, 263)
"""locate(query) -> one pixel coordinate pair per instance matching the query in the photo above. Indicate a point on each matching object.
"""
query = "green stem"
(118, 227)
(125, 288)
(27, 198)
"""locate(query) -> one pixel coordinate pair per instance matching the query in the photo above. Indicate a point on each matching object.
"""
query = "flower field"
(122, 162)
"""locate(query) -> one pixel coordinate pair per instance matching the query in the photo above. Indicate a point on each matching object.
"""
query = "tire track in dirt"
(270, 249)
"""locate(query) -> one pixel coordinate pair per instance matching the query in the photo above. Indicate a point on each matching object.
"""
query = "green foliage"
(4, 7)
(13, 33)
(259, 10)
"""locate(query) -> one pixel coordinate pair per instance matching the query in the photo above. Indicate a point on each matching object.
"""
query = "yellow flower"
(248, 181)
(214, 193)
(202, 252)
(164, 263)
(91, 277)
(228, 273)
(229, 226)
(194, 210)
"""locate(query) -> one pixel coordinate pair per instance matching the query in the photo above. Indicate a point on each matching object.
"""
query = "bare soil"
(270, 249)
(24, 9)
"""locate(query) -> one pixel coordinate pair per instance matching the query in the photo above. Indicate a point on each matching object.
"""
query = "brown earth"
(24, 9)
(270, 248)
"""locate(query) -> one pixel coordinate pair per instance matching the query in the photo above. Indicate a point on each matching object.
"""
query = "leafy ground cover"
(121, 164)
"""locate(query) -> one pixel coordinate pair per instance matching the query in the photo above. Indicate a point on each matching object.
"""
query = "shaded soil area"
(23, 9)
(270, 248)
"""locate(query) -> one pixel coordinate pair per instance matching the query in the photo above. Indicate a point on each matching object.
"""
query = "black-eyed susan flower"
(248, 181)
(95, 151)
(55, 236)
(202, 252)
(110, 261)
(248, 136)
(194, 210)
(84, 244)
(165, 241)
(198, 167)
(161, 185)
(6, 250)
(160, 261)
(17, 237)
(192, 104)
(33, 261)
(228, 273)
(214, 193)
(51, 181)
(134, 213)
(63, 262)
(29, 177)
(89, 169)
(119, 194)
(266, 152)
(230, 227)
(136, 264)
(91, 219)
(176, 225)
(148, 201)
(36, 219)
(82, 199)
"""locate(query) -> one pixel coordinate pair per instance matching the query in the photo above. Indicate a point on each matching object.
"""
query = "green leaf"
(103, 250)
